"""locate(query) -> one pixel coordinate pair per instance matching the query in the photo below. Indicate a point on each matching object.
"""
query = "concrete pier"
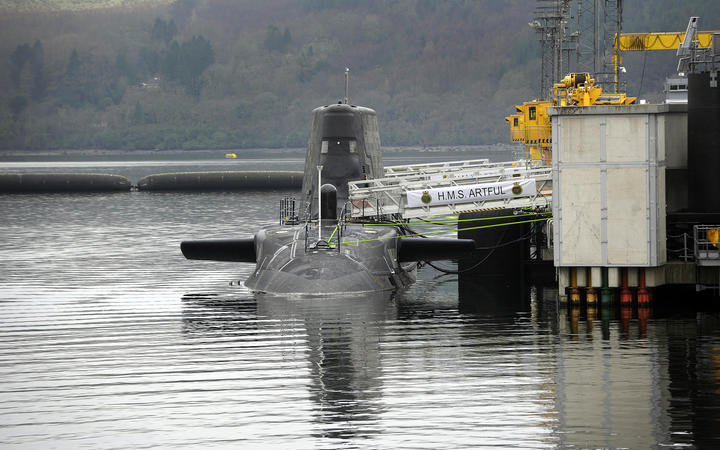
(221, 181)
(612, 194)
(62, 182)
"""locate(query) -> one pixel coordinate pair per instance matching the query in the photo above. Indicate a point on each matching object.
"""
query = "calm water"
(111, 339)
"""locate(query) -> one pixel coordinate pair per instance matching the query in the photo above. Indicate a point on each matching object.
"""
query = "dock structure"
(616, 172)
(619, 191)
(424, 191)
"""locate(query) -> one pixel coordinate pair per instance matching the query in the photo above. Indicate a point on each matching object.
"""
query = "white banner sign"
(471, 193)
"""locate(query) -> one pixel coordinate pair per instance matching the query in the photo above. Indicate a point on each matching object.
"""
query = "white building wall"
(609, 185)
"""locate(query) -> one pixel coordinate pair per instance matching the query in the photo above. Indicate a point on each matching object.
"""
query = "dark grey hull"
(365, 260)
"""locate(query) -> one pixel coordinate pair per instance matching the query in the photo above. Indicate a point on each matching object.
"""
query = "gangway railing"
(512, 184)
(707, 244)
(433, 168)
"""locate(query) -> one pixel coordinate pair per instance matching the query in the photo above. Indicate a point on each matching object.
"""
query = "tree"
(150, 62)
(18, 58)
(137, 117)
(124, 67)
(18, 104)
(38, 91)
(186, 63)
(163, 31)
(72, 91)
(27, 70)
(72, 69)
(172, 61)
(197, 55)
(277, 41)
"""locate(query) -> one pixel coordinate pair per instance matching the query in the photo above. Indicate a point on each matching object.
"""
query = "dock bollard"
(574, 291)
(626, 296)
(605, 291)
(643, 294)
(590, 292)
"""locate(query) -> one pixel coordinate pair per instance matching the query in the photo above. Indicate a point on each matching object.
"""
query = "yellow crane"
(661, 41)
(530, 125)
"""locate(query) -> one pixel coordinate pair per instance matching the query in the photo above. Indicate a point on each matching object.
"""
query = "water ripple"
(111, 339)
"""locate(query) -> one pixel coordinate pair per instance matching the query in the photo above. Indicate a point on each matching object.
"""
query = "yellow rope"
(443, 222)
(443, 231)
(333, 233)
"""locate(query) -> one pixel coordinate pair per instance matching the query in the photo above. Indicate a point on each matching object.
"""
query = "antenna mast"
(347, 85)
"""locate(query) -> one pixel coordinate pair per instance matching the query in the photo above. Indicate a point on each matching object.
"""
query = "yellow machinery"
(530, 124)
(578, 89)
(660, 41)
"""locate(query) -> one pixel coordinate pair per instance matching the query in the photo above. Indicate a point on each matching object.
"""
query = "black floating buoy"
(222, 181)
(62, 182)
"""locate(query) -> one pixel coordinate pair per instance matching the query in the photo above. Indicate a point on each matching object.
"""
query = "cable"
(474, 266)
(642, 77)
(455, 220)
(446, 231)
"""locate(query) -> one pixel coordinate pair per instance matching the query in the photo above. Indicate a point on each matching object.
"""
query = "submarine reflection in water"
(331, 348)
(316, 251)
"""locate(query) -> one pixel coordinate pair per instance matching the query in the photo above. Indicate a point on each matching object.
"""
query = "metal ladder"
(389, 195)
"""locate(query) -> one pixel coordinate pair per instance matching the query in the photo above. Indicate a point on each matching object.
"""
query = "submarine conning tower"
(345, 141)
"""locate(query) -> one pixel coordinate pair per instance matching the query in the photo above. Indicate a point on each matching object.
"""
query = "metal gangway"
(427, 190)
(433, 168)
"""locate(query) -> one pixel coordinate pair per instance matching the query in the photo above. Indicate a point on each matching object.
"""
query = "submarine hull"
(317, 252)
(364, 260)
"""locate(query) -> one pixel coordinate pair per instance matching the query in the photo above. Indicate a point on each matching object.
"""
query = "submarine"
(317, 249)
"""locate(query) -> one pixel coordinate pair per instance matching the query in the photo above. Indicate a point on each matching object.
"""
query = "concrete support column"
(574, 292)
(590, 293)
(614, 277)
(563, 275)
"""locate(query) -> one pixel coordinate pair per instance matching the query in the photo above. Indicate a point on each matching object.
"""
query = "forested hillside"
(134, 74)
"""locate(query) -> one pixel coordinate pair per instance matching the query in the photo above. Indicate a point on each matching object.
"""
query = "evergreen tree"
(276, 40)
(172, 61)
(18, 59)
(72, 69)
(196, 56)
(163, 31)
(124, 68)
(38, 91)
(73, 91)
(137, 117)
(18, 104)
(150, 62)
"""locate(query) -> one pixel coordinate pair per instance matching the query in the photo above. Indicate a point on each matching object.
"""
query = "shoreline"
(122, 155)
